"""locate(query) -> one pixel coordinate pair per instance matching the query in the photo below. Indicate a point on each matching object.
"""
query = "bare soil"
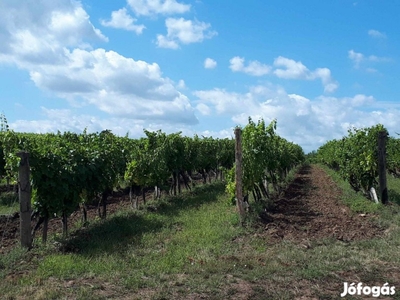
(310, 209)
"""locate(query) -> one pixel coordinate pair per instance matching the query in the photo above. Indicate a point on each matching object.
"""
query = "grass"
(9, 203)
(193, 246)
(356, 201)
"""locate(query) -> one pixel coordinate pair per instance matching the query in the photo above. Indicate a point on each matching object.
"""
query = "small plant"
(8, 198)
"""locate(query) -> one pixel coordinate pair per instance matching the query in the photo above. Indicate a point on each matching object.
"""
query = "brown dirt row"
(311, 208)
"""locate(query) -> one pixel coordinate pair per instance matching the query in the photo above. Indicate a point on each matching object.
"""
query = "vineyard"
(157, 216)
(355, 157)
(69, 170)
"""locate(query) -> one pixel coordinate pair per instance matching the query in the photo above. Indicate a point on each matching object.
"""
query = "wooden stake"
(24, 200)
(238, 174)
(382, 166)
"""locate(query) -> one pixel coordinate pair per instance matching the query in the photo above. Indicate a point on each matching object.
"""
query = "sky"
(200, 67)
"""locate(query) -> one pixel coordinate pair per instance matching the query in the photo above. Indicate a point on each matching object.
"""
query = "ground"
(307, 224)
(311, 209)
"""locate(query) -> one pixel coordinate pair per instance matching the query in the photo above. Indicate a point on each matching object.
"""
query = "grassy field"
(192, 247)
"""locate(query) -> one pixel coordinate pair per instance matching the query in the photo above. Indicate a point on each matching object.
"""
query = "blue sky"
(318, 67)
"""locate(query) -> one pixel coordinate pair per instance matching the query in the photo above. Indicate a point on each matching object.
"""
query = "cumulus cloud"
(254, 68)
(49, 43)
(285, 68)
(122, 20)
(181, 31)
(181, 84)
(358, 59)
(69, 120)
(151, 7)
(293, 69)
(209, 63)
(308, 122)
(296, 70)
(117, 85)
(38, 35)
(203, 109)
(376, 34)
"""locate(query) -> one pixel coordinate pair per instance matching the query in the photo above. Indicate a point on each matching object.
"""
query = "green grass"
(192, 245)
(9, 203)
(356, 201)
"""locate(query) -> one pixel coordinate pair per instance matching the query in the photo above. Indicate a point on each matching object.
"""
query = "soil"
(311, 209)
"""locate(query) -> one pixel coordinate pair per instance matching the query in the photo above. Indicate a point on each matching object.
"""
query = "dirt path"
(310, 208)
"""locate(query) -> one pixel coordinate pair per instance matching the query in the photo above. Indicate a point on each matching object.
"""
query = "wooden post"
(238, 173)
(382, 166)
(24, 200)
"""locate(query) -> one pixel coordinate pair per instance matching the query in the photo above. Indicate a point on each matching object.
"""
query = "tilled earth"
(310, 209)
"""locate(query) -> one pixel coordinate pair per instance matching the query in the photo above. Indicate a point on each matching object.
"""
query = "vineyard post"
(238, 173)
(24, 200)
(382, 166)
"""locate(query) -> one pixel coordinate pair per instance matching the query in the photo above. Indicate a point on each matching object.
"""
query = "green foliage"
(2, 160)
(267, 157)
(230, 188)
(10, 144)
(68, 168)
(354, 157)
(393, 156)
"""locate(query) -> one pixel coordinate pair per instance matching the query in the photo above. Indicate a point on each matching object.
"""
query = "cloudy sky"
(318, 67)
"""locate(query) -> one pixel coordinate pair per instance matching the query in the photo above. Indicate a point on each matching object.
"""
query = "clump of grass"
(9, 203)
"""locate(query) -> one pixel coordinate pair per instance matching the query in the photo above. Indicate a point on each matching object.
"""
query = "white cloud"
(209, 63)
(51, 47)
(117, 85)
(376, 34)
(221, 134)
(69, 120)
(309, 122)
(359, 58)
(293, 69)
(181, 31)
(296, 70)
(225, 102)
(203, 109)
(164, 42)
(37, 32)
(181, 84)
(254, 68)
(122, 20)
(151, 7)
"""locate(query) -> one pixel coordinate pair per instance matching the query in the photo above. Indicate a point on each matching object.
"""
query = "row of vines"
(355, 157)
(267, 160)
(69, 170)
